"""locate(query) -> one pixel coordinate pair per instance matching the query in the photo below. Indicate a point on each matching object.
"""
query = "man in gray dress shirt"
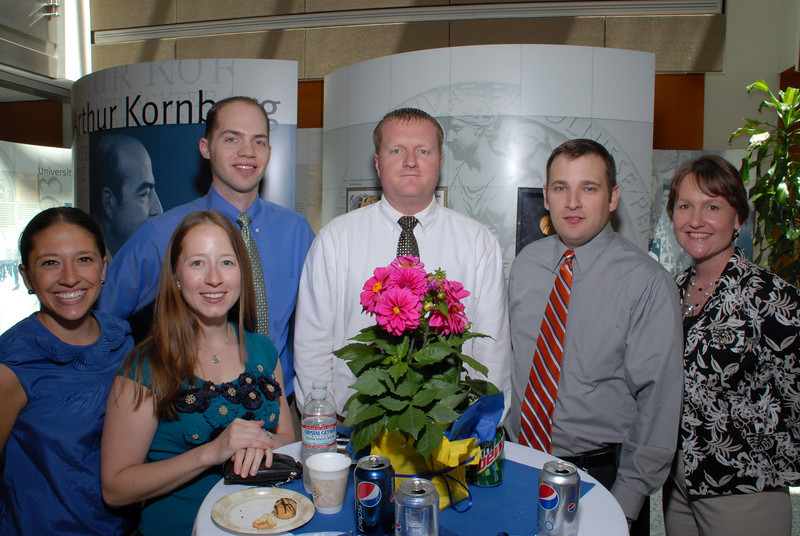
(619, 396)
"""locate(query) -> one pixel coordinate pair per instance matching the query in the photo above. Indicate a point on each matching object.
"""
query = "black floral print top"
(740, 429)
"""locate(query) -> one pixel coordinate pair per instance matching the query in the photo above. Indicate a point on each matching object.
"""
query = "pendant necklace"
(215, 357)
(690, 309)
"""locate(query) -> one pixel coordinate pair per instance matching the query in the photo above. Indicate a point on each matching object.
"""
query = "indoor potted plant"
(408, 368)
(774, 157)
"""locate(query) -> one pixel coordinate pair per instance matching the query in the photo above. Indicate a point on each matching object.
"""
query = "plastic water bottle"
(319, 383)
(319, 430)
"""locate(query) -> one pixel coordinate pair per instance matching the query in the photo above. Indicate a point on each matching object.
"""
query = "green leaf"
(354, 351)
(372, 382)
(363, 435)
(357, 366)
(454, 400)
(428, 440)
(423, 397)
(479, 367)
(410, 384)
(443, 414)
(432, 353)
(393, 404)
(412, 421)
(398, 370)
(480, 387)
(365, 413)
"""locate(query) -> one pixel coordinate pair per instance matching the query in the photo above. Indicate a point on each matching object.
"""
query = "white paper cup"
(328, 472)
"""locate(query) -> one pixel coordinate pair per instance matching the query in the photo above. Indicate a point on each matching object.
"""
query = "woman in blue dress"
(56, 368)
(200, 390)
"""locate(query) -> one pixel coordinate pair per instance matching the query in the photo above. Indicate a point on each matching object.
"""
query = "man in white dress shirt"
(408, 158)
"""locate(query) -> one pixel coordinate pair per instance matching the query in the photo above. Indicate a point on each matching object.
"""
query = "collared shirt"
(345, 254)
(621, 369)
(283, 238)
(740, 431)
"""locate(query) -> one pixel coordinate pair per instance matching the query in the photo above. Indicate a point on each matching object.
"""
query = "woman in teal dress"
(202, 389)
(56, 368)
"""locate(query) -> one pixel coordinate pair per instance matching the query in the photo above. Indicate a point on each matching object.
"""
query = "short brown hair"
(715, 177)
(211, 116)
(406, 114)
(578, 147)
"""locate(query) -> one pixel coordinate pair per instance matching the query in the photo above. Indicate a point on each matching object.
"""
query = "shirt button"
(694, 331)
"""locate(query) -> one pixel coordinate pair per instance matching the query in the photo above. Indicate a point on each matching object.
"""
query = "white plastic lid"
(319, 383)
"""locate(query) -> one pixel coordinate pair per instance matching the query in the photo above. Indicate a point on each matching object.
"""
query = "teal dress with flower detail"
(204, 410)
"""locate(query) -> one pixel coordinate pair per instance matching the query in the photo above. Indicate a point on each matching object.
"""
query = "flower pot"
(446, 467)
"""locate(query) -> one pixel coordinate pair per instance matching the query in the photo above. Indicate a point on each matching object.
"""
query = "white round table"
(599, 513)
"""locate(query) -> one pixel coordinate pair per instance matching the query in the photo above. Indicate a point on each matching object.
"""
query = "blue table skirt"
(509, 507)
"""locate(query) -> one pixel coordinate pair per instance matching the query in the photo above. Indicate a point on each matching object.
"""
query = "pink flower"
(456, 323)
(398, 310)
(374, 287)
(408, 261)
(454, 290)
(413, 279)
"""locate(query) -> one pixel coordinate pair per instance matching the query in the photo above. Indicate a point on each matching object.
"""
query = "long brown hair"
(171, 349)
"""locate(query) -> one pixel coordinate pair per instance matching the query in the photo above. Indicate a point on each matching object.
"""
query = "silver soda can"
(416, 506)
(559, 491)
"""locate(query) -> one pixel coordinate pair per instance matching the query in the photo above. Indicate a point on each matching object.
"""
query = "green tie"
(258, 274)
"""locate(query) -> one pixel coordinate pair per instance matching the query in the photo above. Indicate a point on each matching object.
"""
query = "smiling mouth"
(244, 166)
(699, 235)
(73, 296)
(213, 296)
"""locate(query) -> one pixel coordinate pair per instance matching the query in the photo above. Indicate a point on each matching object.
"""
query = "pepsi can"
(416, 508)
(374, 487)
(559, 491)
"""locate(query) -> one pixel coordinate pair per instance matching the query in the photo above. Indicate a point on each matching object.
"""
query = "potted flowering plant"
(408, 365)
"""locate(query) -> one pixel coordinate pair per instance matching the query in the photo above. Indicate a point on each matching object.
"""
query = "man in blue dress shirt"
(236, 143)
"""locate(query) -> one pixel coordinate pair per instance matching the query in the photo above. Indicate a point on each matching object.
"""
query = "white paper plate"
(237, 511)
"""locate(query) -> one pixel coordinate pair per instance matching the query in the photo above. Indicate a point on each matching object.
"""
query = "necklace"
(215, 357)
(690, 309)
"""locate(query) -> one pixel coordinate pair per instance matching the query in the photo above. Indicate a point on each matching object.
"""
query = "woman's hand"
(246, 443)
(247, 461)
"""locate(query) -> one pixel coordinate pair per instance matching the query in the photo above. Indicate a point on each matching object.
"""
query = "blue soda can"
(374, 491)
(559, 491)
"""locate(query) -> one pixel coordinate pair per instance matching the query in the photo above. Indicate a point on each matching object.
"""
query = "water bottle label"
(319, 436)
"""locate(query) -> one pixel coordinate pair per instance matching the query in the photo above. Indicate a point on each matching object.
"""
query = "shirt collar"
(586, 254)
(426, 216)
(220, 204)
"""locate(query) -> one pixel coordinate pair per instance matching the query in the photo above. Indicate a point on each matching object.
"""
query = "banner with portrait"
(137, 128)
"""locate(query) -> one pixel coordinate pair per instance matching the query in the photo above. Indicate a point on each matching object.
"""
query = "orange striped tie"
(540, 394)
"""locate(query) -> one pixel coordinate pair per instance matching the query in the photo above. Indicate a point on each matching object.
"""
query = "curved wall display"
(156, 111)
(504, 108)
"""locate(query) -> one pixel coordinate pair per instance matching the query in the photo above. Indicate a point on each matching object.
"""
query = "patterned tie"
(262, 313)
(407, 245)
(540, 394)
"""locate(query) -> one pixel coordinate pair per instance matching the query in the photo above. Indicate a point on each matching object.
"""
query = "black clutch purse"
(284, 469)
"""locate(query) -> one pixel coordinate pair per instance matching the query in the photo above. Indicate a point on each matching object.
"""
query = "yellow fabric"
(406, 461)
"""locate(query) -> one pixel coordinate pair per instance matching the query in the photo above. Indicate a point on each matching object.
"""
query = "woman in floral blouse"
(739, 444)
(200, 390)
